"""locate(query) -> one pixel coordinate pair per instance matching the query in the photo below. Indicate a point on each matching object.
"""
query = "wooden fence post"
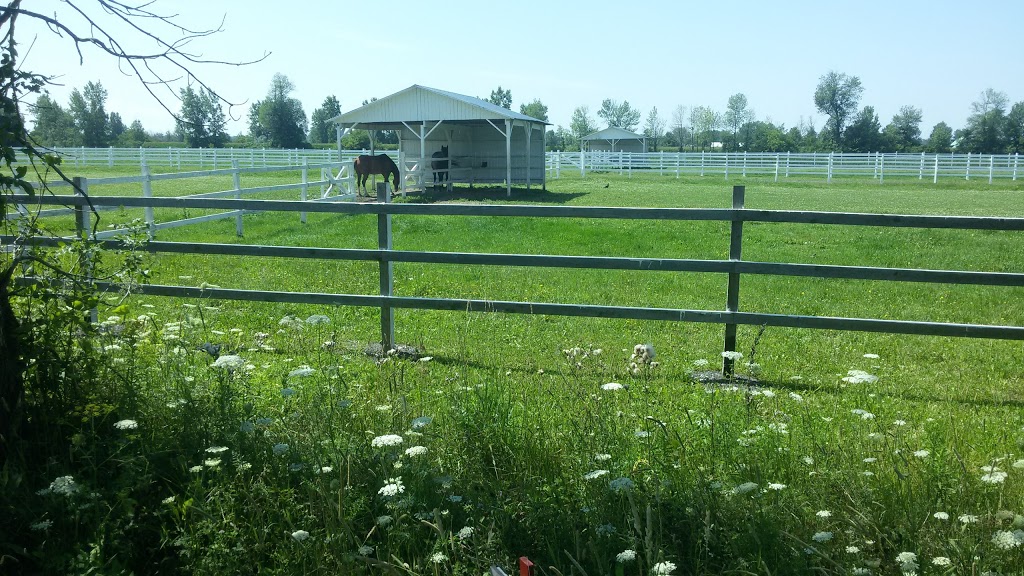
(1016, 157)
(236, 176)
(305, 187)
(147, 192)
(733, 295)
(387, 283)
(967, 176)
(83, 226)
(935, 177)
(991, 162)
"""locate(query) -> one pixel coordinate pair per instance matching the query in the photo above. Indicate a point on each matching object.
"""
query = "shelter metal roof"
(421, 103)
(613, 133)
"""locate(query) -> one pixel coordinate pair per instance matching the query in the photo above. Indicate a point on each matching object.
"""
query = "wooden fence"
(734, 267)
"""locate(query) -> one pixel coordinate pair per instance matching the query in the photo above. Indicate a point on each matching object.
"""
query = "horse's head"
(444, 151)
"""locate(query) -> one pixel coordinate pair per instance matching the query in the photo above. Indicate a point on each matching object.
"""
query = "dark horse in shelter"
(380, 164)
(440, 167)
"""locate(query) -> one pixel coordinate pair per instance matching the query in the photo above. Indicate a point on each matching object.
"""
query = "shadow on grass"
(489, 194)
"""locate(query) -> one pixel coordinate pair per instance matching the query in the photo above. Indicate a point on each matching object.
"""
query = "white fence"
(333, 188)
(776, 165)
(786, 164)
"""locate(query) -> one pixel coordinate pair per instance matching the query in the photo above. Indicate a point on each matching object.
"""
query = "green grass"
(518, 416)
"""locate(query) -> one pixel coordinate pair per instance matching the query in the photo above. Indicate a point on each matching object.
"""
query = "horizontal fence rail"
(734, 267)
(985, 167)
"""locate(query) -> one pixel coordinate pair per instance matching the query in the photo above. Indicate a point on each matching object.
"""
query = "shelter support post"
(508, 157)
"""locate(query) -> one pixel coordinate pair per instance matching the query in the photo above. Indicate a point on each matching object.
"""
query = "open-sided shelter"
(614, 139)
(486, 143)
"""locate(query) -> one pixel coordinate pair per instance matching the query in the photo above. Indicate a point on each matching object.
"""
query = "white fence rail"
(777, 165)
(786, 164)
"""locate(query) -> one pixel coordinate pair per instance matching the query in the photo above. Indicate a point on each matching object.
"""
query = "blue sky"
(936, 55)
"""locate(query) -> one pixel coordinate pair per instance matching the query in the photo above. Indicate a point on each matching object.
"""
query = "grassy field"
(509, 438)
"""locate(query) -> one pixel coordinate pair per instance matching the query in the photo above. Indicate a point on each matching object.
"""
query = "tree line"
(279, 121)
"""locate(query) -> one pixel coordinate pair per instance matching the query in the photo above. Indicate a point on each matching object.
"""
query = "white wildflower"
(318, 319)
(594, 474)
(612, 386)
(300, 535)
(301, 371)
(921, 453)
(212, 462)
(852, 550)
(439, 558)
(126, 425)
(217, 449)
(602, 457)
(907, 561)
(64, 485)
(386, 440)
(414, 451)
(940, 516)
(731, 355)
(941, 561)
(871, 356)
(365, 550)
(776, 486)
(465, 533)
(1007, 540)
(663, 568)
(229, 361)
(421, 422)
(968, 518)
(995, 476)
(823, 514)
(822, 537)
(625, 556)
(280, 448)
(859, 377)
(393, 487)
(384, 521)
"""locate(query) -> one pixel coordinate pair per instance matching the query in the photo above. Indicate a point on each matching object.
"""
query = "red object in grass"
(525, 566)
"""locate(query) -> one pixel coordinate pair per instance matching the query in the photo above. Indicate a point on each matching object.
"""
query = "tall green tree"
(705, 122)
(736, 115)
(321, 130)
(88, 109)
(985, 132)
(279, 119)
(133, 137)
(619, 115)
(679, 125)
(865, 132)
(941, 139)
(582, 124)
(535, 109)
(838, 96)
(115, 127)
(1015, 129)
(903, 134)
(201, 121)
(654, 128)
(54, 126)
(501, 98)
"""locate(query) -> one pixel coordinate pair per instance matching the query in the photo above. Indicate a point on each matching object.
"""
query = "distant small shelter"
(614, 139)
(486, 143)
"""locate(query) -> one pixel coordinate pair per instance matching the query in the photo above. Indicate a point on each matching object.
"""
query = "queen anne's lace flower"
(386, 440)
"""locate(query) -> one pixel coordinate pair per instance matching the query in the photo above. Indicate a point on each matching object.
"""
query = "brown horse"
(380, 164)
